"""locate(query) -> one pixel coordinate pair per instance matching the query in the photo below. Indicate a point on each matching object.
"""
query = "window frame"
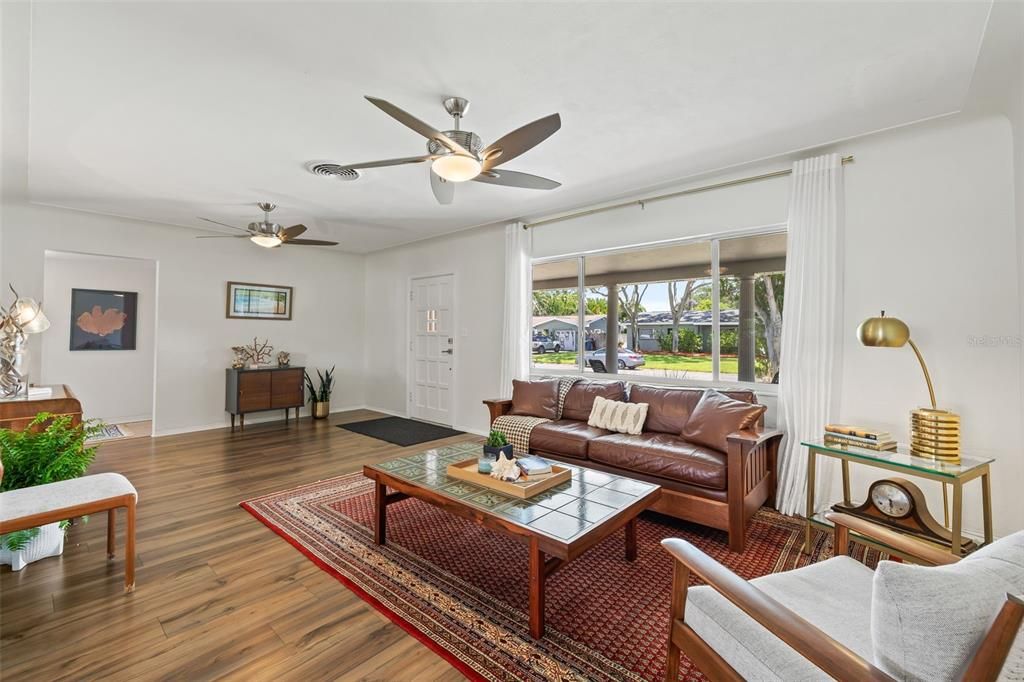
(713, 239)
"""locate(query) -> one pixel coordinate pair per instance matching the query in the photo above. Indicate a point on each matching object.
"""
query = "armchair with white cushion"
(838, 619)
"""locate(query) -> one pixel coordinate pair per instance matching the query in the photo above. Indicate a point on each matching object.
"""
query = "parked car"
(628, 359)
(543, 344)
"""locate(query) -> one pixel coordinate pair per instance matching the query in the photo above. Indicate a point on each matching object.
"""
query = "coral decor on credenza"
(253, 355)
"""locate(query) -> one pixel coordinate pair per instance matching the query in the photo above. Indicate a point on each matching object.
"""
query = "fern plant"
(50, 449)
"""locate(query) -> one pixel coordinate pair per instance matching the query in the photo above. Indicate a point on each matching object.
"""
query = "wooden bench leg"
(129, 548)
(111, 542)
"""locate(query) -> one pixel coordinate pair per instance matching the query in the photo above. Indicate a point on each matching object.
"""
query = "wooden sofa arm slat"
(806, 639)
(898, 541)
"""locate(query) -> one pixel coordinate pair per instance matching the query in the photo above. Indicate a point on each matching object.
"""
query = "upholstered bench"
(41, 504)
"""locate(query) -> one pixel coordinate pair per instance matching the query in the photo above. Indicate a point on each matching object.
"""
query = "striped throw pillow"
(614, 415)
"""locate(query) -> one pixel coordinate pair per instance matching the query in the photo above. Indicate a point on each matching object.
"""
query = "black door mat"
(400, 431)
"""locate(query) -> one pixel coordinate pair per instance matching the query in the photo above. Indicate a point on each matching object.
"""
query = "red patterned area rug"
(462, 589)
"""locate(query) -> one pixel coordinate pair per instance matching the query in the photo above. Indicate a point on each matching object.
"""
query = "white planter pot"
(49, 542)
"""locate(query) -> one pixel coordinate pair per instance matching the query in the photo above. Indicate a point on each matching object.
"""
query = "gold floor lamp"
(934, 433)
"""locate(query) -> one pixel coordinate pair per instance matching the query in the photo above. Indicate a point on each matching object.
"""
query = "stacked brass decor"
(934, 433)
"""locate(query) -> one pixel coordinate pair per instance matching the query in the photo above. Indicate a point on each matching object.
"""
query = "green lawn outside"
(679, 363)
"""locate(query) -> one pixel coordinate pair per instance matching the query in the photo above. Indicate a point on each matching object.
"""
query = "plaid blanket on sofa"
(517, 428)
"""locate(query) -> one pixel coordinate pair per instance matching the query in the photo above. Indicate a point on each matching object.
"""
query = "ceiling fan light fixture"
(457, 167)
(265, 240)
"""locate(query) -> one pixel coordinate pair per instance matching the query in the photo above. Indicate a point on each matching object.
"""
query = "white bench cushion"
(16, 504)
(832, 594)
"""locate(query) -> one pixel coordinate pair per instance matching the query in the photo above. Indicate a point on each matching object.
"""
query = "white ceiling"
(166, 110)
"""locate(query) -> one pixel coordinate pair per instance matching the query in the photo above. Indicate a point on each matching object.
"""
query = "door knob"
(448, 352)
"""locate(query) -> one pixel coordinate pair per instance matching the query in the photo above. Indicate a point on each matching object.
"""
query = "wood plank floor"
(218, 595)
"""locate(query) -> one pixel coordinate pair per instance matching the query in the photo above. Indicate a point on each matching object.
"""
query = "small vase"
(490, 455)
(321, 409)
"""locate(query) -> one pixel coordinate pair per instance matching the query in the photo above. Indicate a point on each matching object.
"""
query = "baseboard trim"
(226, 424)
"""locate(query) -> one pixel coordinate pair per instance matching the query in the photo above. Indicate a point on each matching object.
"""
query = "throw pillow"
(614, 415)
(535, 398)
(926, 621)
(716, 416)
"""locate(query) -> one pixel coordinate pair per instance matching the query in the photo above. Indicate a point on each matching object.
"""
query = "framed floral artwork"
(103, 320)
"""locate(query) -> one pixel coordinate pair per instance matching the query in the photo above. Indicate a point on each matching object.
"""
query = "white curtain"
(515, 356)
(810, 373)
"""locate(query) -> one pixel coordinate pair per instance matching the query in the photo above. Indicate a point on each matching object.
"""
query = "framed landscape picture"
(259, 301)
(103, 320)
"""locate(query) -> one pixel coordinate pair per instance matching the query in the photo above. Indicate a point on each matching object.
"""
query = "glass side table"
(901, 460)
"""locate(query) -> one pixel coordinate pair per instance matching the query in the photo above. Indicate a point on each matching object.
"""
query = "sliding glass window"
(650, 313)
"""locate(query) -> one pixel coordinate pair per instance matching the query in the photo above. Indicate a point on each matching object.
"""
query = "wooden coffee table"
(557, 525)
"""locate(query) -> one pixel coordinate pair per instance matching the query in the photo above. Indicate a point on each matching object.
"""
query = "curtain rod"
(671, 195)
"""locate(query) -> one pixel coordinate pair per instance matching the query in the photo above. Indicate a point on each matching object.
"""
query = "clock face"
(891, 500)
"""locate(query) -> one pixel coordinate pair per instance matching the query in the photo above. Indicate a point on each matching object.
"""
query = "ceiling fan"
(267, 234)
(458, 155)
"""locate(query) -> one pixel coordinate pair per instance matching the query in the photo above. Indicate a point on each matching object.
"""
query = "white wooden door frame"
(410, 359)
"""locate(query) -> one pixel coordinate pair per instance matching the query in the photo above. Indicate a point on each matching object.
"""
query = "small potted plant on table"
(48, 450)
(321, 397)
(496, 444)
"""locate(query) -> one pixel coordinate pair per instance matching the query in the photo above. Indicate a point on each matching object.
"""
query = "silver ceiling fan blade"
(289, 233)
(410, 121)
(385, 162)
(520, 140)
(309, 242)
(223, 224)
(444, 191)
(516, 179)
(224, 236)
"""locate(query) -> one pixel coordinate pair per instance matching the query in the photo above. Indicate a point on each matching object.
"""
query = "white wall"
(115, 386)
(476, 258)
(194, 337)
(931, 238)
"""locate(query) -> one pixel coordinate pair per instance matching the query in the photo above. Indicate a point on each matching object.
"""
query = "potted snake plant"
(320, 397)
(48, 450)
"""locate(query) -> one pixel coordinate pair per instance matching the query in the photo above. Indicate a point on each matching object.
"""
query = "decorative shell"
(506, 468)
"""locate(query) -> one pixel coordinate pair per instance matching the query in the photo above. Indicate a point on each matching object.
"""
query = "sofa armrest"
(844, 523)
(751, 438)
(802, 636)
(497, 407)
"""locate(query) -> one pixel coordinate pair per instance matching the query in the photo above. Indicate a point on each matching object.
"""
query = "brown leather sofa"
(717, 488)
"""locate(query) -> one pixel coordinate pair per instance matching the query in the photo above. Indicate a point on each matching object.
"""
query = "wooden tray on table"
(524, 488)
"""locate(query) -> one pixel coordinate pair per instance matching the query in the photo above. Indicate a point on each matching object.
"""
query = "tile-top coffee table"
(558, 525)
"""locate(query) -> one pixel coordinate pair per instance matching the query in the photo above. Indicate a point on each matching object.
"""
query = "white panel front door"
(432, 347)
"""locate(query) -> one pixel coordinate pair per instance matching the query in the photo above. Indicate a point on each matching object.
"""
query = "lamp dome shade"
(883, 332)
(28, 315)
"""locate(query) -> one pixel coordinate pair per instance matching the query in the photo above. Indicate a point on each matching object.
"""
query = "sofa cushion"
(535, 398)
(662, 455)
(831, 594)
(616, 415)
(670, 408)
(580, 399)
(564, 437)
(718, 415)
(927, 620)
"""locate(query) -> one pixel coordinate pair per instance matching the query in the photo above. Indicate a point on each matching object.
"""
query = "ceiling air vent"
(335, 171)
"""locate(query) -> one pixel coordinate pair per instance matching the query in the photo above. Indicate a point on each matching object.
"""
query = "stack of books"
(534, 467)
(857, 436)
